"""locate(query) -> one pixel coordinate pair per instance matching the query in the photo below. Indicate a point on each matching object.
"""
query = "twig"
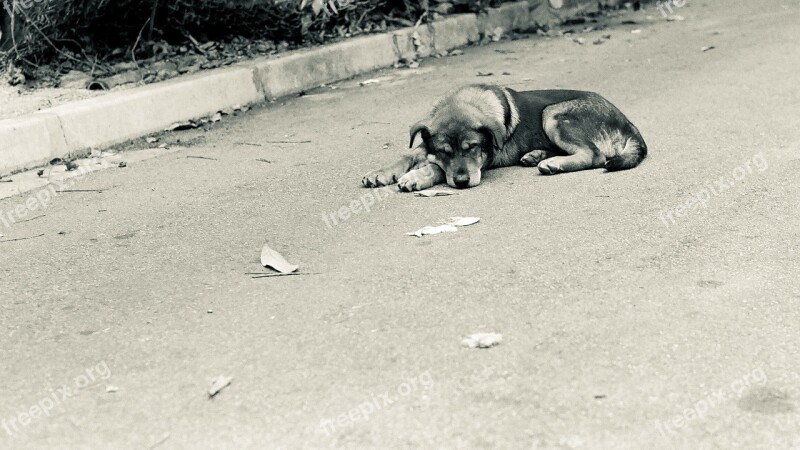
(99, 191)
(287, 142)
(195, 43)
(421, 18)
(283, 275)
(202, 157)
(32, 218)
(136, 44)
(264, 160)
(248, 143)
(22, 239)
(13, 27)
(158, 444)
(152, 20)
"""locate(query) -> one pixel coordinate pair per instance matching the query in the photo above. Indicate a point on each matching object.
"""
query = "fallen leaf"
(152, 140)
(636, 31)
(413, 65)
(485, 74)
(218, 384)
(164, 145)
(482, 340)
(368, 82)
(40, 173)
(447, 226)
(462, 221)
(122, 164)
(456, 52)
(433, 193)
(578, 41)
(271, 258)
(111, 389)
(433, 230)
(179, 126)
(705, 49)
(216, 117)
(675, 18)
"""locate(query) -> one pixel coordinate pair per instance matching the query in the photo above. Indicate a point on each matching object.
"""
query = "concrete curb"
(81, 126)
(125, 115)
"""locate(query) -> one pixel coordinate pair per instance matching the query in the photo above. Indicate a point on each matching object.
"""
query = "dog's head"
(463, 131)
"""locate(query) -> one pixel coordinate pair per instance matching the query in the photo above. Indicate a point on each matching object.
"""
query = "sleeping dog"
(481, 127)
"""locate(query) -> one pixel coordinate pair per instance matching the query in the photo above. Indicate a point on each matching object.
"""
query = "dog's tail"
(628, 157)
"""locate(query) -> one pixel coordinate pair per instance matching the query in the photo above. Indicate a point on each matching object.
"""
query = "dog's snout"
(461, 180)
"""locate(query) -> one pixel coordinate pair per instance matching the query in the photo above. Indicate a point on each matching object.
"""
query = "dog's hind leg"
(571, 163)
(572, 136)
(534, 157)
(594, 133)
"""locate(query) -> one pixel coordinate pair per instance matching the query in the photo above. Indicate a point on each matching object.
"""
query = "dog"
(480, 127)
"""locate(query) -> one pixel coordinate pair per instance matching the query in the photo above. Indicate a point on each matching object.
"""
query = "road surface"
(652, 308)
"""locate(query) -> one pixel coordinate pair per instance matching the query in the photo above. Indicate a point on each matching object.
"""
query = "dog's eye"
(471, 146)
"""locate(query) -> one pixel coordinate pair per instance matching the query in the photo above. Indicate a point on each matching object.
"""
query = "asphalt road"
(621, 328)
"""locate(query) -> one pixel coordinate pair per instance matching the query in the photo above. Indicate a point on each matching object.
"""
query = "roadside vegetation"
(44, 39)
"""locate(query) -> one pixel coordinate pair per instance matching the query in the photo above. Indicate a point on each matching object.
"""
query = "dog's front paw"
(421, 178)
(410, 182)
(534, 157)
(378, 178)
(550, 167)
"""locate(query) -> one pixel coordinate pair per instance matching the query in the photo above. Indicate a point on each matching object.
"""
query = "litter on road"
(482, 340)
(273, 259)
(433, 193)
(447, 226)
(218, 384)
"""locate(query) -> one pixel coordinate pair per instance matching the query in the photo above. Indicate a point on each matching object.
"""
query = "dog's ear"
(417, 128)
(494, 133)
